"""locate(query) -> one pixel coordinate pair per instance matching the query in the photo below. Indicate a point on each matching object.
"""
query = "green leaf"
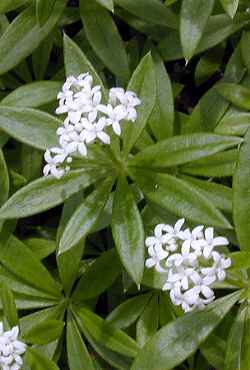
(213, 349)
(44, 332)
(244, 46)
(113, 358)
(69, 262)
(241, 196)
(179, 339)
(108, 4)
(48, 192)
(8, 5)
(240, 260)
(128, 312)
(43, 10)
(144, 85)
(148, 323)
(30, 126)
(128, 232)
(161, 119)
(152, 11)
(193, 19)
(33, 95)
(18, 259)
(37, 361)
(104, 333)
(234, 123)
(179, 197)
(76, 62)
(78, 356)
(24, 35)
(237, 94)
(221, 196)
(219, 27)
(183, 149)
(101, 32)
(85, 216)
(42, 248)
(235, 357)
(99, 276)
(4, 179)
(217, 165)
(32, 160)
(9, 306)
(230, 6)
(41, 56)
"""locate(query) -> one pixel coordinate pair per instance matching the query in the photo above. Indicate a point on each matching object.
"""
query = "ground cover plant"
(124, 184)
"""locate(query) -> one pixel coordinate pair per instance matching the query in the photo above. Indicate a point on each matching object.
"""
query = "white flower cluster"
(191, 261)
(11, 349)
(86, 121)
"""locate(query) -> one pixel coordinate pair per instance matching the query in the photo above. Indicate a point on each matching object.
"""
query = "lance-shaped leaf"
(24, 35)
(179, 339)
(30, 126)
(230, 6)
(128, 232)
(237, 94)
(76, 62)
(35, 360)
(43, 10)
(9, 306)
(4, 179)
(194, 17)
(18, 259)
(44, 332)
(78, 356)
(241, 195)
(237, 352)
(217, 165)
(104, 333)
(152, 11)
(161, 119)
(183, 149)
(234, 123)
(33, 95)
(8, 5)
(99, 276)
(221, 196)
(179, 197)
(219, 27)
(144, 85)
(108, 4)
(148, 323)
(128, 312)
(101, 32)
(48, 192)
(85, 216)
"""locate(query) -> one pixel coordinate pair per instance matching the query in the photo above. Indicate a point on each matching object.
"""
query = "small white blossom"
(53, 165)
(115, 116)
(11, 349)
(87, 119)
(192, 266)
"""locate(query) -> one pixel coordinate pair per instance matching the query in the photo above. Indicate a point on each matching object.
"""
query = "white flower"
(86, 120)
(115, 115)
(157, 254)
(74, 142)
(93, 131)
(54, 162)
(194, 266)
(127, 99)
(11, 349)
(174, 232)
(209, 242)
